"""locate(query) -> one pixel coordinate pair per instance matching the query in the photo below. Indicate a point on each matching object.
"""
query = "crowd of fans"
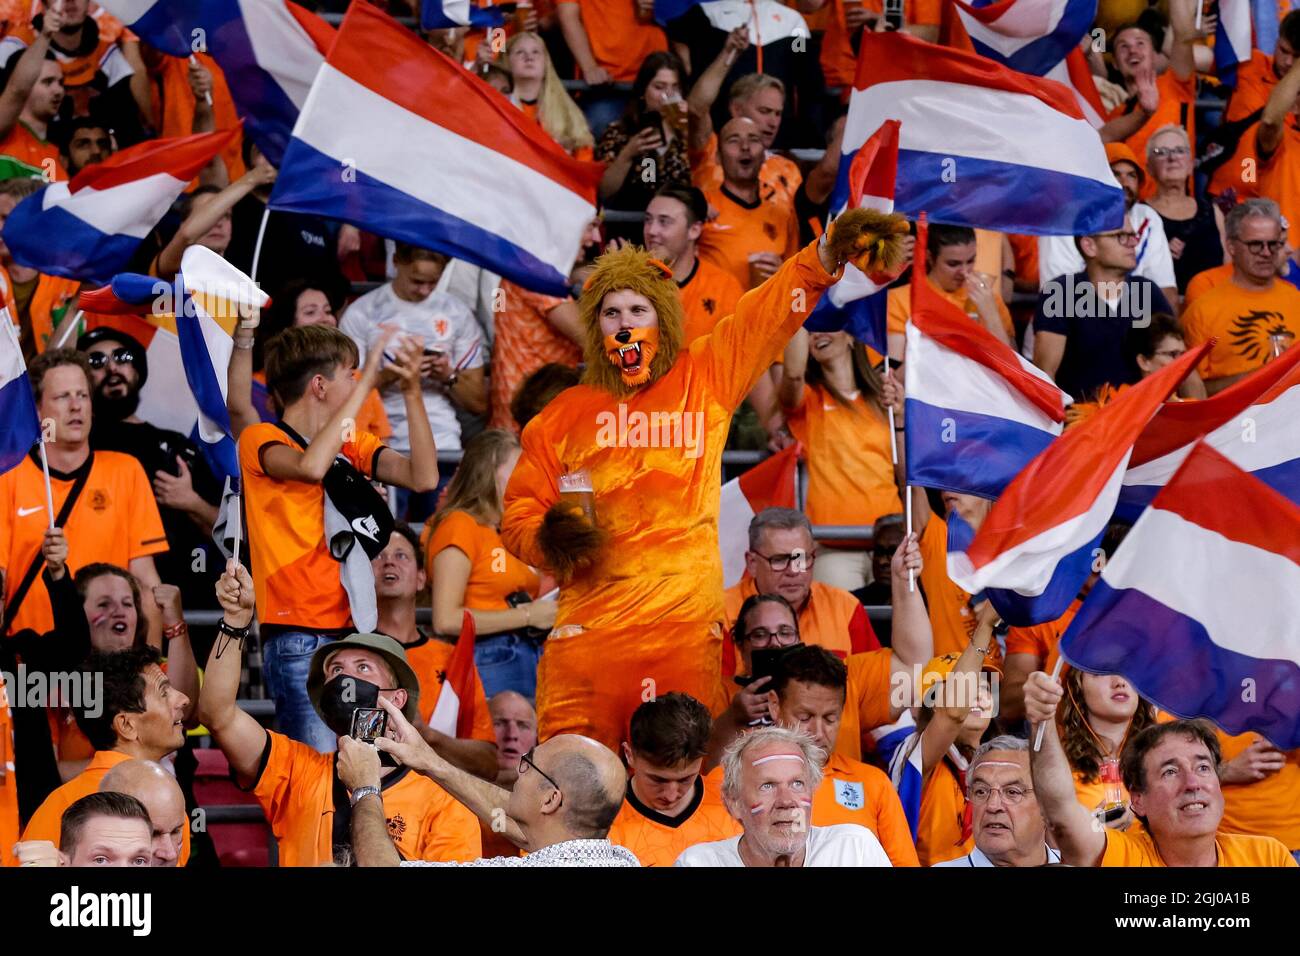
(720, 139)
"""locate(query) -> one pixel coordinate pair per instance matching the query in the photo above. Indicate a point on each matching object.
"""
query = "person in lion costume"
(640, 607)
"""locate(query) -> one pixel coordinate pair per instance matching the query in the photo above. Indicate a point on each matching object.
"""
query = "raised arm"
(1268, 135)
(709, 84)
(420, 471)
(239, 378)
(1182, 21)
(240, 737)
(790, 391)
(28, 70)
(200, 220)
(945, 725)
(182, 670)
(1068, 821)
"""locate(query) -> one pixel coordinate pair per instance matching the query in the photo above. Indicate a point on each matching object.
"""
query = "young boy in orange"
(302, 603)
(637, 554)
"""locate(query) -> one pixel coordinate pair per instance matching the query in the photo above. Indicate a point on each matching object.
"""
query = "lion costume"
(641, 609)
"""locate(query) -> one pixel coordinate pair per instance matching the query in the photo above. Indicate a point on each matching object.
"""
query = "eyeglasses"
(1011, 796)
(1160, 152)
(761, 637)
(1124, 238)
(1258, 246)
(779, 562)
(1170, 354)
(526, 761)
(119, 356)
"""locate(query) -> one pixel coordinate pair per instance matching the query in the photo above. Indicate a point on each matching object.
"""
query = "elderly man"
(515, 723)
(1005, 817)
(1171, 771)
(560, 810)
(1254, 315)
(161, 796)
(769, 777)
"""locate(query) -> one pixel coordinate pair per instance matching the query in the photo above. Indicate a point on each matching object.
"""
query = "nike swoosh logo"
(24, 512)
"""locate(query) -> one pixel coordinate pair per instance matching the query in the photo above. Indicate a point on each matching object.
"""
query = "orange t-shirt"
(898, 308)
(1255, 83)
(1242, 321)
(778, 176)
(1136, 847)
(854, 792)
(24, 155)
(296, 580)
(708, 295)
(1042, 640)
(1203, 282)
(847, 450)
(951, 617)
(839, 63)
(831, 618)
(619, 39)
(494, 572)
(429, 657)
(525, 341)
(296, 791)
(1266, 807)
(1177, 107)
(743, 228)
(174, 104)
(115, 520)
(658, 840)
(938, 831)
(866, 701)
(1279, 178)
(47, 821)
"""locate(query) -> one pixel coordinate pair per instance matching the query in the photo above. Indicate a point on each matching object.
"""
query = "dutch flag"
(20, 427)
(453, 714)
(431, 155)
(448, 14)
(1233, 39)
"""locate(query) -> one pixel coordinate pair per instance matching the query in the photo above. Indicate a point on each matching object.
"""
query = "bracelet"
(226, 633)
(897, 429)
(239, 344)
(452, 379)
(175, 631)
(359, 794)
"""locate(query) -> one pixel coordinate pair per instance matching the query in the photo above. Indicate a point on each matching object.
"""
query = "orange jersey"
(831, 618)
(1266, 807)
(494, 572)
(296, 789)
(839, 62)
(898, 306)
(115, 520)
(867, 701)
(1255, 83)
(1177, 107)
(658, 840)
(174, 104)
(296, 580)
(1279, 179)
(708, 295)
(372, 417)
(47, 821)
(24, 155)
(619, 39)
(743, 228)
(938, 832)
(1243, 321)
(847, 451)
(525, 341)
(429, 657)
(1203, 282)
(778, 176)
(1042, 640)
(1138, 848)
(951, 617)
(853, 792)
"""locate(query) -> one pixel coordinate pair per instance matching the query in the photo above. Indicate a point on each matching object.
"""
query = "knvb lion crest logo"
(1259, 335)
(396, 826)
(99, 499)
(440, 326)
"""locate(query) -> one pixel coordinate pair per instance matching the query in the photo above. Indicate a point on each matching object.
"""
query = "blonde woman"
(539, 92)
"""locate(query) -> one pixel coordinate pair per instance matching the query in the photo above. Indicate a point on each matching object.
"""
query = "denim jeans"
(286, 662)
(601, 106)
(507, 662)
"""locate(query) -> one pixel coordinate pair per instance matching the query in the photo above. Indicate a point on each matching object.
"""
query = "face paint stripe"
(770, 757)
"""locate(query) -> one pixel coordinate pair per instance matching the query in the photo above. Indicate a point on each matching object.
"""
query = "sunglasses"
(119, 356)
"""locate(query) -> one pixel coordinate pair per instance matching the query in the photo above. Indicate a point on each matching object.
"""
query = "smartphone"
(893, 14)
(652, 119)
(368, 723)
(764, 663)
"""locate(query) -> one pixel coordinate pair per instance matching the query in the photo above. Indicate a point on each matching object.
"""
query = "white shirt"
(1059, 256)
(977, 858)
(587, 853)
(444, 322)
(844, 844)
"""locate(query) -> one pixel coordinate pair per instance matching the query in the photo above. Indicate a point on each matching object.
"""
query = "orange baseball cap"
(939, 668)
(1121, 153)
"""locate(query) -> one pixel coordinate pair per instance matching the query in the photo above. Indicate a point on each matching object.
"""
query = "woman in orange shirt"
(472, 570)
(1099, 714)
(539, 92)
(832, 405)
(297, 303)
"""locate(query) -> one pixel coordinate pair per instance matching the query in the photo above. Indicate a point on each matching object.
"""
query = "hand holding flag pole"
(207, 96)
(1056, 675)
(49, 495)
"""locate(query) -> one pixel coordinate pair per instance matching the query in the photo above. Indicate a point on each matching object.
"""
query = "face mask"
(342, 695)
(631, 351)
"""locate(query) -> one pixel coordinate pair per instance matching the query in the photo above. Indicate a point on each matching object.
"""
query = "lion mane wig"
(635, 269)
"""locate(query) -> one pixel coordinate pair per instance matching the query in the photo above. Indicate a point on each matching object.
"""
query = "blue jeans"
(601, 106)
(507, 662)
(415, 507)
(286, 662)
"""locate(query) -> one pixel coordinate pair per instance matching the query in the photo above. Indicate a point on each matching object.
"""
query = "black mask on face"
(341, 696)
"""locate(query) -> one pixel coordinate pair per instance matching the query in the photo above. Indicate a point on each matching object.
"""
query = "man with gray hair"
(769, 777)
(1254, 315)
(1005, 818)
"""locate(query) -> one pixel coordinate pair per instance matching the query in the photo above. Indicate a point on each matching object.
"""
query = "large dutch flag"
(1034, 550)
(448, 14)
(431, 155)
(1039, 37)
(977, 411)
(983, 145)
(1252, 423)
(269, 51)
(1200, 606)
(1233, 39)
(20, 427)
(857, 303)
(88, 228)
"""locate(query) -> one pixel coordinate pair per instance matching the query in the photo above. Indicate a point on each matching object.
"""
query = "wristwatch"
(451, 380)
(360, 793)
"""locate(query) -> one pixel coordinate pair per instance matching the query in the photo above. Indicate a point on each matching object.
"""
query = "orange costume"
(645, 615)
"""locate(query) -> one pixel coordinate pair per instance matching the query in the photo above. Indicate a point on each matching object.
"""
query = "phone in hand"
(369, 723)
(764, 663)
(652, 119)
(893, 14)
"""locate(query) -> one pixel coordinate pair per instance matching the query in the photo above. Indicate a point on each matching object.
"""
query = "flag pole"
(194, 61)
(1056, 675)
(49, 495)
(922, 231)
(66, 328)
(257, 248)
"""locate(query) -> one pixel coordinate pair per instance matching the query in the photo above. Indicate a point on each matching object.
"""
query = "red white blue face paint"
(770, 757)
